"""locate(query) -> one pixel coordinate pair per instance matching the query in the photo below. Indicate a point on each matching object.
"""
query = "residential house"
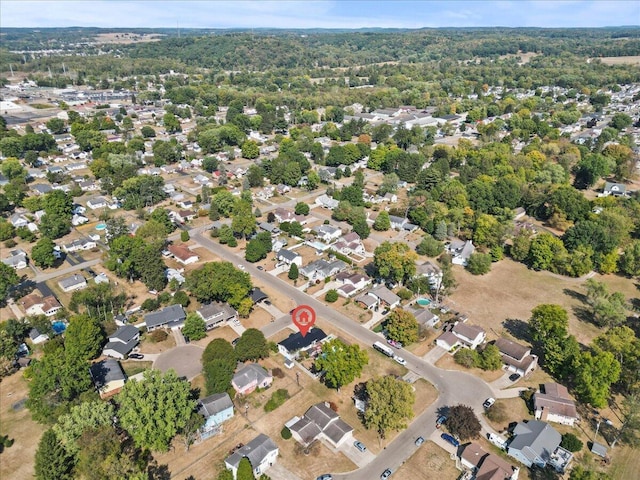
(325, 201)
(295, 343)
(36, 337)
(171, 316)
(79, 245)
(41, 188)
(269, 227)
(321, 423)
(88, 185)
(74, 282)
(17, 259)
(431, 272)
(487, 466)
(216, 314)
(172, 273)
(95, 203)
(328, 233)
(349, 244)
(18, 220)
(289, 257)
(468, 336)
(78, 220)
(351, 283)
(326, 174)
(253, 376)
(400, 223)
(108, 377)
(517, 358)
(384, 296)
(555, 405)
(183, 254)
(261, 452)
(184, 215)
(284, 215)
(34, 304)
(615, 189)
(538, 443)
(257, 295)
(321, 269)
(461, 251)
(216, 409)
(122, 342)
(425, 317)
(101, 278)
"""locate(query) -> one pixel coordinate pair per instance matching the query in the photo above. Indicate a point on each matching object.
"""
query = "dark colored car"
(136, 356)
(326, 476)
(514, 377)
(449, 438)
(260, 267)
(441, 419)
(360, 446)
(235, 341)
(419, 441)
(386, 474)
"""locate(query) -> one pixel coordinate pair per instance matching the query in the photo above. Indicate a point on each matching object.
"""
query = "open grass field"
(629, 60)
(126, 38)
(429, 461)
(17, 461)
(510, 291)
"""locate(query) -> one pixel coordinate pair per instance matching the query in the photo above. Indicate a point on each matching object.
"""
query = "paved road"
(453, 386)
(59, 272)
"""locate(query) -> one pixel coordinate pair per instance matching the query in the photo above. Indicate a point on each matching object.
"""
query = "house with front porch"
(468, 336)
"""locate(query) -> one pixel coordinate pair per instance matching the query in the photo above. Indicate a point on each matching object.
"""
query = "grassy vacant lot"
(17, 461)
(429, 461)
(511, 291)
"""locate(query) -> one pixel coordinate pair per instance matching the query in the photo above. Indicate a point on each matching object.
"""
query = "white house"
(17, 259)
(328, 233)
(95, 203)
(261, 452)
(461, 251)
(320, 422)
(326, 201)
(469, 336)
(289, 257)
(122, 342)
(74, 282)
(555, 405)
(183, 254)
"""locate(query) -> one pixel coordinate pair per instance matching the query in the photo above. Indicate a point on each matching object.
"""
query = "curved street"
(454, 387)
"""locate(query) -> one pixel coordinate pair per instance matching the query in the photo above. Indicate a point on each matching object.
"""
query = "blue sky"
(322, 14)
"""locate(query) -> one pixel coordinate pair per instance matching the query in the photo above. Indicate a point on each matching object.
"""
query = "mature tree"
(194, 327)
(87, 415)
(548, 321)
(629, 432)
(361, 227)
(133, 258)
(479, 263)
(140, 191)
(595, 374)
(467, 357)
(302, 208)
(154, 409)
(548, 328)
(58, 212)
(250, 149)
(389, 405)
(8, 278)
(395, 261)
(161, 215)
(607, 309)
(218, 373)
(12, 168)
(382, 222)
(84, 337)
(341, 363)
(578, 472)
(181, 298)
(225, 201)
(116, 227)
(293, 272)
(148, 132)
(52, 460)
(219, 281)
(245, 470)
(7, 231)
(189, 433)
(99, 300)
(171, 123)
(429, 246)
(243, 221)
(256, 250)
(218, 349)
(462, 422)
(490, 358)
(402, 326)
(42, 253)
(571, 442)
(255, 176)
(630, 260)
(252, 345)
(623, 343)
(331, 295)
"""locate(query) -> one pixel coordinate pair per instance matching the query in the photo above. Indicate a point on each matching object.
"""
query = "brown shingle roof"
(512, 349)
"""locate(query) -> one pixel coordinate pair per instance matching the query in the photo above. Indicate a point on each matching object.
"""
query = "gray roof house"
(261, 452)
(321, 422)
(216, 409)
(41, 188)
(384, 296)
(17, 259)
(615, 189)
(321, 269)
(253, 376)
(534, 443)
(326, 201)
(171, 316)
(18, 220)
(74, 282)
(122, 342)
(461, 251)
(517, 358)
(288, 257)
(215, 314)
(107, 377)
(97, 202)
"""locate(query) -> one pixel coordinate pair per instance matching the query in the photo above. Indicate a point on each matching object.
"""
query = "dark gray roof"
(215, 310)
(125, 334)
(257, 295)
(321, 415)
(106, 371)
(288, 254)
(75, 279)
(256, 451)
(296, 341)
(170, 314)
(214, 404)
(306, 430)
(122, 348)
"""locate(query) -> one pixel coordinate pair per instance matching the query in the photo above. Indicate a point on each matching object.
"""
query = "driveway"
(185, 360)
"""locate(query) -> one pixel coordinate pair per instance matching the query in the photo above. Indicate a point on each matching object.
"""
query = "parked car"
(488, 403)
(441, 419)
(514, 377)
(234, 342)
(386, 474)
(451, 439)
(360, 446)
(240, 266)
(260, 268)
(419, 441)
(325, 476)
(136, 356)
(400, 360)
(394, 344)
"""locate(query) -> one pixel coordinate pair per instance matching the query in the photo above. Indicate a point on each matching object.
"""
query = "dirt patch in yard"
(147, 346)
(18, 460)
(352, 310)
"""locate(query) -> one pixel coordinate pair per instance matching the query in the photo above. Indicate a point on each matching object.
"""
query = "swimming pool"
(425, 302)
(59, 327)
(101, 226)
